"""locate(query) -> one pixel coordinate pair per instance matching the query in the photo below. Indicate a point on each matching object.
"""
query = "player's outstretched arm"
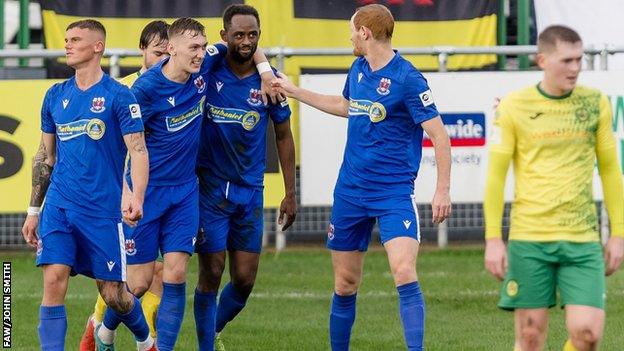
(135, 142)
(43, 162)
(336, 105)
(286, 153)
(441, 204)
(266, 72)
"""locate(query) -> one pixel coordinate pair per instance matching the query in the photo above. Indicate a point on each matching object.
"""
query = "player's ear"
(99, 47)
(223, 34)
(540, 59)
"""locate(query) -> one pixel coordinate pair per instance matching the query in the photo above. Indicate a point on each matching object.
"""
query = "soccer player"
(86, 122)
(388, 105)
(554, 132)
(172, 96)
(231, 168)
(153, 44)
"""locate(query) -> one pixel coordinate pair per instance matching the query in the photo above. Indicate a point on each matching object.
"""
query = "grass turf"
(288, 309)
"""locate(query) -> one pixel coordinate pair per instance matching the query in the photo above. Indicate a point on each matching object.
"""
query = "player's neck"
(378, 55)
(88, 76)
(551, 89)
(173, 73)
(240, 69)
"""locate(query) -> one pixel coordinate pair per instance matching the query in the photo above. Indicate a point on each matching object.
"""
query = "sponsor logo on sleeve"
(426, 98)
(212, 50)
(135, 110)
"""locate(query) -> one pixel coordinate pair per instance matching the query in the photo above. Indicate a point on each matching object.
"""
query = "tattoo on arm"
(41, 173)
(137, 143)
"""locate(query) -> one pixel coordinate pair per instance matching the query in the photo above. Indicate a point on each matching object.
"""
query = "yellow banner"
(20, 132)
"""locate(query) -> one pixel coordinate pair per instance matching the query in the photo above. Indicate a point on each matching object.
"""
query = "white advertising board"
(462, 98)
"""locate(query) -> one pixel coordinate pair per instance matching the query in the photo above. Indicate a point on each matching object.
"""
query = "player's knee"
(210, 276)
(244, 286)
(404, 274)
(55, 283)
(531, 336)
(116, 297)
(586, 334)
(139, 289)
(347, 285)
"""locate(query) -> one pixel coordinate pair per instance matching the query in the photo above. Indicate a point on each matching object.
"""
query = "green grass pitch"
(288, 309)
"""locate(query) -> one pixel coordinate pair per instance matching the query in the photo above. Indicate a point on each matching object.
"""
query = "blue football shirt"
(233, 140)
(384, 136)
(172, 114)
(90, 150)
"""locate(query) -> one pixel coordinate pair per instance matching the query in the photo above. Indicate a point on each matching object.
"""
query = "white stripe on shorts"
(227, 189)
(417, 217)
(122, 250)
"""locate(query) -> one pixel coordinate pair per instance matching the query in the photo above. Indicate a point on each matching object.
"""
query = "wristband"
(32, 211)
(263, 67)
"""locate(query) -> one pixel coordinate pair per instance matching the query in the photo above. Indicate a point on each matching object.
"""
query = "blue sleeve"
(142, 98)
(128, 112)
(279, 112)
(345, 90)
(47, 122)
(418, 98)
(214, 53)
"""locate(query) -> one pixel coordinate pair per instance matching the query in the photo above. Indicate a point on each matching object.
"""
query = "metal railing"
(281, 54)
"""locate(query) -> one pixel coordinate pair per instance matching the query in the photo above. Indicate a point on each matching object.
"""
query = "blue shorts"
(231, 217)
(353, 218)
(169, 224)
(90, 245)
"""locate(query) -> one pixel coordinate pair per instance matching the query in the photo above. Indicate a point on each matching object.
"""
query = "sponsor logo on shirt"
(97, 105)
(65, 103)
(219, 85)
(175, 123)
(384, 86)
(248, 119)
(375, 111)
(200, 84)
(464, 129)
(255, 97)
(94, 128)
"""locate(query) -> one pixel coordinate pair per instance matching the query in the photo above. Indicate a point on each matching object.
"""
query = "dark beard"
(238, 58)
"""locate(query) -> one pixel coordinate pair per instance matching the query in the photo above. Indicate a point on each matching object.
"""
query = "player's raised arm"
(441, 203)
(333, 104)
(139, 173)
(286, 152)
(43, 162)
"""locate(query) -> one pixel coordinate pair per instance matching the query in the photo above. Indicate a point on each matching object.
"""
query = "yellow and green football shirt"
(554, 143)
(130, 79)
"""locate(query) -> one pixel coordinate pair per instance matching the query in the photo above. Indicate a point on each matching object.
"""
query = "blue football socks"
(205, 309)
(230, 304)
(412, 310)
(52, 327)
(341, 319)
(170, 315)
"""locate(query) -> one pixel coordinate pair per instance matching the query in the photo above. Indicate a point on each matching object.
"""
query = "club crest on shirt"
(130, 247)
(384, 86)
(255, 98)
(97, 105)
(200, 84)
